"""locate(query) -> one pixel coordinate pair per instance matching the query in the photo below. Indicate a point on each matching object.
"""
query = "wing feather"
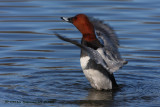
(108, 56)
(94, 54)
(110, 42)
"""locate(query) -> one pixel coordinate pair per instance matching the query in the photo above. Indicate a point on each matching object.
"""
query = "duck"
(99, 57)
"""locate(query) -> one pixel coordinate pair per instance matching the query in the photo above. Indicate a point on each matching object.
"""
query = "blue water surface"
(38, 69)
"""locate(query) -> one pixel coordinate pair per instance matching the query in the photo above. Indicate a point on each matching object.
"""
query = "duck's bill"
(67, 19)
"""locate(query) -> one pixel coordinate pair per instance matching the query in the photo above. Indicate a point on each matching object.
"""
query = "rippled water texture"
(37, 69)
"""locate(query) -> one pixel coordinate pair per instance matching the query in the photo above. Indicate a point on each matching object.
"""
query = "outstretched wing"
(106, 34)
(94, 54)
(110, 42)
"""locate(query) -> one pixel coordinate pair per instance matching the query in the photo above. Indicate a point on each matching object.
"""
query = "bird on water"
(99, 57)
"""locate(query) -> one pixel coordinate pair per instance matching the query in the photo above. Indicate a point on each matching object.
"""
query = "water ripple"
(38, 69)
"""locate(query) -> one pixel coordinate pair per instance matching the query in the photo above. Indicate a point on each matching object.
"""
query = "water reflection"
(98, 98)
(99, 95)
(93, 99)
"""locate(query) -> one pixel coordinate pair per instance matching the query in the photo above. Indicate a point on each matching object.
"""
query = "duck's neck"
(89, 37)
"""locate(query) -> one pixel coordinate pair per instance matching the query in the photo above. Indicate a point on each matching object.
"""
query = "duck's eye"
(75, 18)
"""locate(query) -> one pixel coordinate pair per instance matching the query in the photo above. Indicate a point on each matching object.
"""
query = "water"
(37, 69)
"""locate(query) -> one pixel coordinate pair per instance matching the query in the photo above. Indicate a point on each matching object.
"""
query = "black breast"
(93, 44)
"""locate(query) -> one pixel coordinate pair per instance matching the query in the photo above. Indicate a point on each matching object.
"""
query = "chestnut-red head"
(82, 23)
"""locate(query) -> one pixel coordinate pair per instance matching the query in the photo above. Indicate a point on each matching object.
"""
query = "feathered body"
(99, 51)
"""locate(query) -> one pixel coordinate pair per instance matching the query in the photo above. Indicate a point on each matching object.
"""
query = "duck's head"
(82, 23)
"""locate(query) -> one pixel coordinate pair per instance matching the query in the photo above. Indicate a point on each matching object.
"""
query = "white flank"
(84, 61)
(97, 79)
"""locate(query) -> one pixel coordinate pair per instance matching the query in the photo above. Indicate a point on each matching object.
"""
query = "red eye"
(75, 18)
